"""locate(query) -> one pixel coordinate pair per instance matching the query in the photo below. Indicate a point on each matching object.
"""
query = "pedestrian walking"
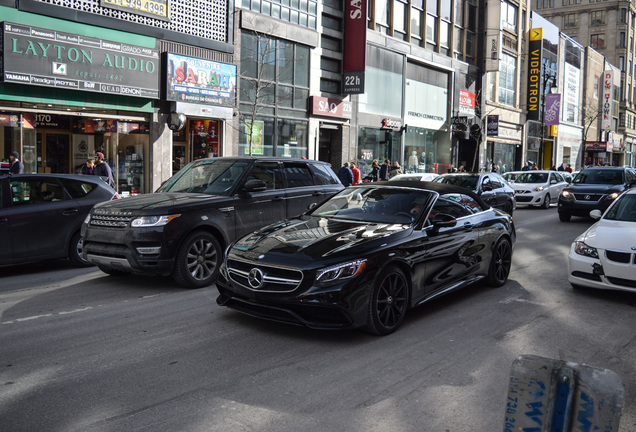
(345, 175)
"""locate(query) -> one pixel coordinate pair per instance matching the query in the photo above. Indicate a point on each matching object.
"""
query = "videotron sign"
(50, 58)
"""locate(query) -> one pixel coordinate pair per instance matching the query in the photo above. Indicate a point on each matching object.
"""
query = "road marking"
(520, 300)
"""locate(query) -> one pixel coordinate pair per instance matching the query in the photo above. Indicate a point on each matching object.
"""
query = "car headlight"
(613, 196)
(152, 221)
(538, 189)
(567, 195)
(88, 218)
(583, 249)
(338, 273)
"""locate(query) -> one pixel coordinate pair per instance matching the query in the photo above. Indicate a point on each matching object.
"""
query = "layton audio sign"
(50, 58)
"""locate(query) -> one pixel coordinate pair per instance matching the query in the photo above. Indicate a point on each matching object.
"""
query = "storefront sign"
(50, 58)
(467, 102)
(607, 102)
(393, 124)
(598, 146)
(534, 73)
(552, 109)
(150, 8)
(43, 120)
(200, 81)
(426, 105)
(11, 120)
(355, 46)
(323, 106)
(492, 125)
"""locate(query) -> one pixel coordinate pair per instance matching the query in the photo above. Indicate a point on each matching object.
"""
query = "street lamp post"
(547, 78)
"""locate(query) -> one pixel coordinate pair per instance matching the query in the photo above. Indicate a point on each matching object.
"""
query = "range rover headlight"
(338, 273)
(583, 249)
(152, 221)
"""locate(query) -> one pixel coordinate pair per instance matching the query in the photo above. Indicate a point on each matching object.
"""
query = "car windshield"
(468, 181)
(599, 176)
(378, 205)
(530, 177)
(624, 209)
(213, 176)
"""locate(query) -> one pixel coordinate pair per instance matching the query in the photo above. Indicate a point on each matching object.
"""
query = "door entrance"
(54, 152)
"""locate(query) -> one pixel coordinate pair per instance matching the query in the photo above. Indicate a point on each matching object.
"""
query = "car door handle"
(468, 226)
(277, 198)
(70, 212)
(318, 193)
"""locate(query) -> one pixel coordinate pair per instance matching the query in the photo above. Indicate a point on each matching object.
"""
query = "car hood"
(311, 238)
(609, 234)
(162, 202)
(594, 188)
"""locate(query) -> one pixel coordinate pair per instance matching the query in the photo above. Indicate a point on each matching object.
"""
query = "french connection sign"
(49, 58)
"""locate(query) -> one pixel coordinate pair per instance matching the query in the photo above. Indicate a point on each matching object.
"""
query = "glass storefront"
(502, 154)
(53, 143)
(423, 151)
(376, 144)
(274, 137)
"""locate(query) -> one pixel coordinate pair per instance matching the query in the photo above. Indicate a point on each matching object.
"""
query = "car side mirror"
(596, 214)
(254, 185)
(443, 220)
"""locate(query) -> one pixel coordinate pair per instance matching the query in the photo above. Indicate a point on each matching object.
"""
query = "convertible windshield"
(468, 181)
(599, 176)
(530, 177)
(624, 209)
(380, 205)
(214, 177)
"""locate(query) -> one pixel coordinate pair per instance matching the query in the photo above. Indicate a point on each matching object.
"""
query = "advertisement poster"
(83, 149)
(257, 138)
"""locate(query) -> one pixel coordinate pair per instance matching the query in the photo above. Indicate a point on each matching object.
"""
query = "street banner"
(355, 46)
(552, 109)
(492, 125)
(534, 73)
(607, 101)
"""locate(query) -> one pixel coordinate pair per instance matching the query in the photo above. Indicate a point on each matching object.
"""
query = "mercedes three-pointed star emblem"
(255, 278)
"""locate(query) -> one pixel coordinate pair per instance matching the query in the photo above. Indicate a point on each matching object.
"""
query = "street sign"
(548, 395)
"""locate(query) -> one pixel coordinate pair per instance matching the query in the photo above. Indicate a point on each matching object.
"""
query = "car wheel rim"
(201, 259)
(502, 261)
(79, 247)
(391, 300)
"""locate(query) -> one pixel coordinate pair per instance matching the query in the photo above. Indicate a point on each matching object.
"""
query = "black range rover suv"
(183, 228)
(594, 188)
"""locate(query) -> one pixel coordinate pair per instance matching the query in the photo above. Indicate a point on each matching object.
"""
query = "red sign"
(323, 106)
(595, 146)
(355, 46)
(467, 99)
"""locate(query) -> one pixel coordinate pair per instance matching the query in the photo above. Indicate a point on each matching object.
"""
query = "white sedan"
(538, 187)
(604, 256)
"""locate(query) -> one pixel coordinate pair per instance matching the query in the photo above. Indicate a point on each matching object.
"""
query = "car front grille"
(112, 221)
(588, 197)
(628, 283)
(263, 278)
(620, 257)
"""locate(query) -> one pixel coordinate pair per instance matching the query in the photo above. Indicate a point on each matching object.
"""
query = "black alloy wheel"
(388, 302)
(563, 217)
(197, 261)
(500, 263)
(508, 207)
(75, 248)
(546, 201)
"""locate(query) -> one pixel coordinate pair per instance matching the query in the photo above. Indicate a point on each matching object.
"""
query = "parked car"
(41, 215)
(491, 187)
(184, 227)
(415, 176)
(367, 255)
(538, 187)
(604, 256)
(594, 188)
(510, 176)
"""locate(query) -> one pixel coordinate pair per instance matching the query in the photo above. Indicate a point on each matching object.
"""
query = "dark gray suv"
(184, 227)
(594, 188)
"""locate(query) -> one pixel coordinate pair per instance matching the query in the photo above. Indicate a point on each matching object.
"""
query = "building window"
(399, 20)
(570, 20)
(597, 18)
(416, 25)
(458, 42)
(507, 79)
(623, 15)
(382, 15)
(622, 40)
(444, 37)
(508, 16)
(431, 31)
(301, 12)
(597, 41)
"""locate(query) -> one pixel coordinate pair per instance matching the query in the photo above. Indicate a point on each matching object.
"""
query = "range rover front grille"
(112, 221)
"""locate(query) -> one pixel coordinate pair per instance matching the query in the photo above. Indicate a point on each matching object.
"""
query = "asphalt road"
(83, 351)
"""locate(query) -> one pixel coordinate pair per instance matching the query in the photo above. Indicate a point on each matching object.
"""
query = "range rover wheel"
(197, 261)
(75, 251)
(500, 263)
(388, 302)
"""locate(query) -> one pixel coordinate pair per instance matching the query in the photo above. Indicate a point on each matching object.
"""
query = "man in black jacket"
(16, 166)
(102, 168)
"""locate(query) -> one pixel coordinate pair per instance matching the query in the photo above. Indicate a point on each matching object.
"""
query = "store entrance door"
(54, 152)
